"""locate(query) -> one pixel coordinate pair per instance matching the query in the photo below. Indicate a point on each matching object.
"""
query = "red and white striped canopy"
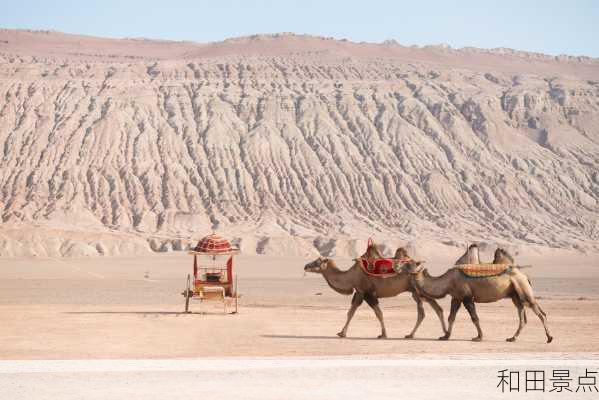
(214, 244)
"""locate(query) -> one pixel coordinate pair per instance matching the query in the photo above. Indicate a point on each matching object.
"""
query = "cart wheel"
(187, 293)
(236, 297)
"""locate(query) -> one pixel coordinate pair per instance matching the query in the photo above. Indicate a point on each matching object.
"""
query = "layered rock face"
(294, 153)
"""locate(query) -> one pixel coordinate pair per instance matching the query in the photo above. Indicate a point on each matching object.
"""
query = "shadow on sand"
(368, 338)
(148, 313)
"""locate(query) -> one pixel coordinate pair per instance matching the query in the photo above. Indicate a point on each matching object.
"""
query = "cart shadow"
(148, 313)
(315, 337)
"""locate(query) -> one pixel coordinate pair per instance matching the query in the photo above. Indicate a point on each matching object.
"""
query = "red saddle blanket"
(380, 266)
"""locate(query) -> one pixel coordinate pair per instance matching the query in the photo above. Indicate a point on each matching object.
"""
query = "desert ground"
(110, 327)
(131, 307)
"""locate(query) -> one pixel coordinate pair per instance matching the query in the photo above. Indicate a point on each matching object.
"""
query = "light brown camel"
(466, 290)
(370, 288)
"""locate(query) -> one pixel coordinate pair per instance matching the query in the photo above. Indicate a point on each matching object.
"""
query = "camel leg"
(524, 290)
(455, 306)
(356, 301)
(543, 317)
(421, 314)
(373, 302)
(469, 304)
(521, 315)
(433, 303)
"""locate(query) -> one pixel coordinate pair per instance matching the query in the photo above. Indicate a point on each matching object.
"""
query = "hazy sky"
(548, 26)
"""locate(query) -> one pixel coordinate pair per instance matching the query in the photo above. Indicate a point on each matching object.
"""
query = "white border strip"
(244, 364)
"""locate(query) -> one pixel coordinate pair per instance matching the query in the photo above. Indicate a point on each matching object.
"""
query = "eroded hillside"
(287, 153)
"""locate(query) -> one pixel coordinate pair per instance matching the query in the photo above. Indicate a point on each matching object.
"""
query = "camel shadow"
(315, 337)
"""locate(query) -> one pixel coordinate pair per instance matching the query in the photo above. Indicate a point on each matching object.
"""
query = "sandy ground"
(113, 328)
(106, 308)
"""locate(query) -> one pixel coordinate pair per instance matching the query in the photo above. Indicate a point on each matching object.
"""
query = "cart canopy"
(214, 244)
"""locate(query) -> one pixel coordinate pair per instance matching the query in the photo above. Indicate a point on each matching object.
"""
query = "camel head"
(317, 266)
(401, 254)
(413, 267)
(502, 257)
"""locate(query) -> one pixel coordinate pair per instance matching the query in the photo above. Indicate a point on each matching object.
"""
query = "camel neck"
(433, 286)
(338, 280)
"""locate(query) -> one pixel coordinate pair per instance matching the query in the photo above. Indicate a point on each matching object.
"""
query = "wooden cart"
(213, 277)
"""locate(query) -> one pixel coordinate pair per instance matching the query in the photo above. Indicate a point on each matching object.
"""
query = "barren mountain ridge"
(291, 145)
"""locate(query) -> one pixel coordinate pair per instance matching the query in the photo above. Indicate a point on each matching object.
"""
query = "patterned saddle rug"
(373, 263)
(483, 270)
(382, 267)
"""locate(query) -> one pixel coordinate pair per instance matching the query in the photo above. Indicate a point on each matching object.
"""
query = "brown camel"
(466, 290)
(370, 288)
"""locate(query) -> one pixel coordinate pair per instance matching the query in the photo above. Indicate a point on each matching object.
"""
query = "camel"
(370, 288)
(513, 284)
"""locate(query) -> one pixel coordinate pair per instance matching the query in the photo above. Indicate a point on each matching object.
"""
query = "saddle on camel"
(374, 264)
(485, 270)
(471, 267)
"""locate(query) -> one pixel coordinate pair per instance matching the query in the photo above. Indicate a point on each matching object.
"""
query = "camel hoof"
(410, 336)
(511, 339)
(549, 339)
(341, 334)
(381, 336)
(444, 337)
(477, 339)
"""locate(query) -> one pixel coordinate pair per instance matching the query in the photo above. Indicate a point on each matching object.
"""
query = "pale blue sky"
(547, 26)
